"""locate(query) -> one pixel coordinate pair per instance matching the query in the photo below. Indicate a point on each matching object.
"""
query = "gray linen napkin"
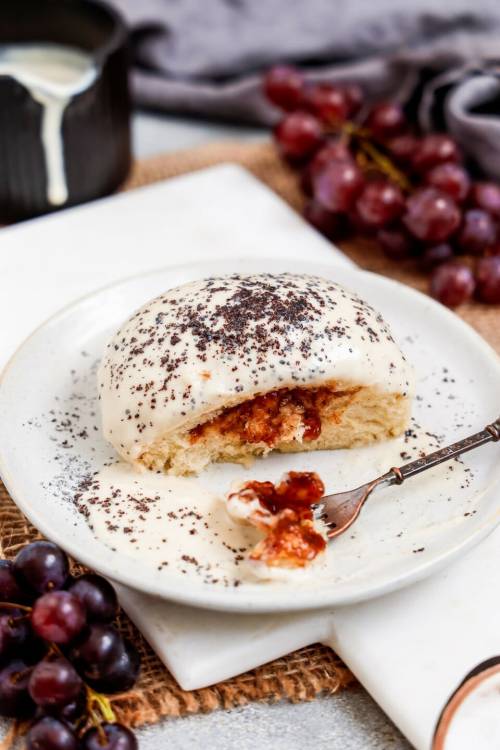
(206, 57)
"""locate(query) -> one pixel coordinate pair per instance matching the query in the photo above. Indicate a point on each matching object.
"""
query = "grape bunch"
(60, 653)
(366, 171)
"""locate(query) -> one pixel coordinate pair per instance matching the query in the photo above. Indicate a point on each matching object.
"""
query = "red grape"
(354, 96)
(51, 734)
(486, 195)
(435, 149)
(15, 700)
(386, 120)
(298, 135)
(431, 215)
(435, 255)
(402, 148)
(379, 203)
(478, 232)
(452, 283)
(451, 179)
(95, 652)
(97, 596)
(396, 243)
(337, 186)
(122, 673)
(330, 224)
(283, 86)
(117, 737)
(328, 102)
(41, 566)
(488, 280)
(333, 150)
(54, 683)
(58, 616)
(10, 591)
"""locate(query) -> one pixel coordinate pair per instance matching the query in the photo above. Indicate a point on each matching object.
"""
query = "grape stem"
(11, 605)
(370, 156)
(101, 702)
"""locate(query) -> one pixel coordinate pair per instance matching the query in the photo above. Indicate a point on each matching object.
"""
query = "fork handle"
(491, 433)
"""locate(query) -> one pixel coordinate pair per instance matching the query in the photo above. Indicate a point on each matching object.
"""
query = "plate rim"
(222, 600)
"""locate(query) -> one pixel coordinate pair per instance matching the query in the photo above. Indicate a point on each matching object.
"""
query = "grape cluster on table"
(366, 171)
(60, 653)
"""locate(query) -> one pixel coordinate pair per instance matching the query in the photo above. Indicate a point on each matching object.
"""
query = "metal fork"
(339, 511)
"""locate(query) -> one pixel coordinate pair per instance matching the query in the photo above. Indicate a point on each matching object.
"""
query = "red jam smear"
(298, 490)
(293, 541)
(260, 419)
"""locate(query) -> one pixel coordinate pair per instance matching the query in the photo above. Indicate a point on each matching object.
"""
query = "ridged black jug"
(96, 122)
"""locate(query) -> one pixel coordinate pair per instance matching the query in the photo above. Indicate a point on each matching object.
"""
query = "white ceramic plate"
(402, 535)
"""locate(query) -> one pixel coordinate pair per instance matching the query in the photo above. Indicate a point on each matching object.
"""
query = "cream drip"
(52, 74)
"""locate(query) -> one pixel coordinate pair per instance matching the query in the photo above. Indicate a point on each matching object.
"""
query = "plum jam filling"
(266, 418)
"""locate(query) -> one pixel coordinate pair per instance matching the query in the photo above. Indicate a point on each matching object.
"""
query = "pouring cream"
(53, 74)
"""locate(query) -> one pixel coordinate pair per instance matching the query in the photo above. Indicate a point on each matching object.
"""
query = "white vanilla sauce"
(52, 74)
(180, 526)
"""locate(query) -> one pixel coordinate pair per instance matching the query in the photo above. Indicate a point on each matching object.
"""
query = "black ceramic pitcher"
(96, 122)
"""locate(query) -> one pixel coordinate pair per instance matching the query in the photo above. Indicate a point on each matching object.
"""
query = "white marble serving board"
(409, 649)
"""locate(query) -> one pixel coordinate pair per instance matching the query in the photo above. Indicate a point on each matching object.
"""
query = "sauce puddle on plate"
(169, 523)
(180, 526)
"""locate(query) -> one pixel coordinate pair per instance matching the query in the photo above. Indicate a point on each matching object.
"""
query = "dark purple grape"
(431, 215)
(435, 255)
(15, 700)
(283, 86)
(41, 567)
(10, 590)
(379, 203)
(452, 284)
(298, 135)
(451, 179)
(54, 683)
(435, 149)
(14, 632)
(71, 713)
(58, 617)
(97, 596)
(122, 674)
(486, 195)
(98, 648)
(51, 734)
(386, 120)
(328, 102)
(337, 186)
(330, 224)
(396, 243)
(488, 280)
(478, 232)
(117, 737)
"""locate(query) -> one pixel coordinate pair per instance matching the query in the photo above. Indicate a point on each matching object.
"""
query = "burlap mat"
(310, 671)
